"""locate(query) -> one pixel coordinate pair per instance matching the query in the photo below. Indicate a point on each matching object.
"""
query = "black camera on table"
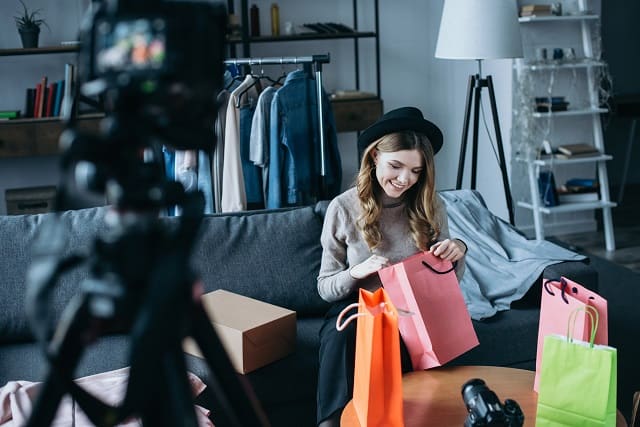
(485, 408)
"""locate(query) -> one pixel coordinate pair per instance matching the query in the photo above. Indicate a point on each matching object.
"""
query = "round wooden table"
(433, 397)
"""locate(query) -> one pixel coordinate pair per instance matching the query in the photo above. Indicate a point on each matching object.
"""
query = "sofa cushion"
(270, 255)
(26, 361)
(509, 338)
(18, 234)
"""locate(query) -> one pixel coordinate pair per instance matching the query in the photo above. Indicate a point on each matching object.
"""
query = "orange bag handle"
(341, 326)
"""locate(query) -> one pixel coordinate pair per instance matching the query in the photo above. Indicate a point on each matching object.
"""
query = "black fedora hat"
(405, 118)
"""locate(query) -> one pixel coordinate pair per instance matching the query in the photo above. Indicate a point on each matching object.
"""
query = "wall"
(410, 75)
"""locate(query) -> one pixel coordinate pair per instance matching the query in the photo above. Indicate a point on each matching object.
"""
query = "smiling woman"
(398, 171)
(392, 213)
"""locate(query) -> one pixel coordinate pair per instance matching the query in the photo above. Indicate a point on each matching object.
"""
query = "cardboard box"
(31, 200)
(254, 333)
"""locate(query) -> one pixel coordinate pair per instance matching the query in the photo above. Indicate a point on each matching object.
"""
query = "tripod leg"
(64, 352)
(465, 131)
(171, 402)
(239, 404)
(180, 388)
(476, 121)
(503, 163)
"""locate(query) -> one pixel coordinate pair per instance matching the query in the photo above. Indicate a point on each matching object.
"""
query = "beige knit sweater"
(344, 246)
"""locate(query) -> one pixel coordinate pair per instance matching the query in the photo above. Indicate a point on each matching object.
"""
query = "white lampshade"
(479, 29)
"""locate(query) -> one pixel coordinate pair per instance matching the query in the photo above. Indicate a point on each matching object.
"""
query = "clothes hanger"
(256, 83)
(236, 78)
(264, 76)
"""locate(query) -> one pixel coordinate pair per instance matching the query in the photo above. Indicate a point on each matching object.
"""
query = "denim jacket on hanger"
(294, 161)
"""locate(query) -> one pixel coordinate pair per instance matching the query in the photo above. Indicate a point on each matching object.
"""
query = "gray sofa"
(273, 256)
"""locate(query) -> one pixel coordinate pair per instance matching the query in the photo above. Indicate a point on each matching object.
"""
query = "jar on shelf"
(255, 21)
(275, 19)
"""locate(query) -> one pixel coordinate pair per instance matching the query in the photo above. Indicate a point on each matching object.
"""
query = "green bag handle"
(594, 317)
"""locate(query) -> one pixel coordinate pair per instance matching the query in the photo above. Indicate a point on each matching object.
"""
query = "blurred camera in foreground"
(160, 63)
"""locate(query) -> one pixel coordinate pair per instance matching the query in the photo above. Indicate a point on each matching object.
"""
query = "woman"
(392, 213)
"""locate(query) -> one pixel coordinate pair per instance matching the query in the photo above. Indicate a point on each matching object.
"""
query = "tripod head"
(156, 66)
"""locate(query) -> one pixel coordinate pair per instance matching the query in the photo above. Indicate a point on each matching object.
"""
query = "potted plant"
(28, 24)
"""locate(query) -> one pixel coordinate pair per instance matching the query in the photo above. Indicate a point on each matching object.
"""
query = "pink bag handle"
(563, 288)
(453, 266)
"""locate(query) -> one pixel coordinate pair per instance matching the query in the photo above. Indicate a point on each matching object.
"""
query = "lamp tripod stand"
(474, 91)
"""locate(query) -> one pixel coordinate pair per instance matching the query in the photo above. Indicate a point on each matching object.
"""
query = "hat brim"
(397, 124)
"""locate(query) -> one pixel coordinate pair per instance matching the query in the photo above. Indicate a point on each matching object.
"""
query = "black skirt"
(337, 359)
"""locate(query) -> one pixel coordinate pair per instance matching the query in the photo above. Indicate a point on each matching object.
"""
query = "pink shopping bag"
(561, 297)
(440, 327)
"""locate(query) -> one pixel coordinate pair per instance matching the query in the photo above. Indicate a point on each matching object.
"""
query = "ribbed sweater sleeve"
(334, 280)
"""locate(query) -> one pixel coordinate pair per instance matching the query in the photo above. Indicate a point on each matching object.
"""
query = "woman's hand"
(449, 249)
(368, 267)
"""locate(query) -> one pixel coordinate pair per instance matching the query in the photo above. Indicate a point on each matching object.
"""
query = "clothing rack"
(316, 61)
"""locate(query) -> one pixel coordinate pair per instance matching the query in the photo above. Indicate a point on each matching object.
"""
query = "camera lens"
(471, 388)
(510, 406)
(475, 382)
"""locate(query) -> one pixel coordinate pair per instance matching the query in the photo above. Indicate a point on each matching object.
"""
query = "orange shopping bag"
(560, 298)
(440, 328)
(377, 382)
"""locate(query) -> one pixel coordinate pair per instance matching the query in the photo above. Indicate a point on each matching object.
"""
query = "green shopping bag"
(578, 380)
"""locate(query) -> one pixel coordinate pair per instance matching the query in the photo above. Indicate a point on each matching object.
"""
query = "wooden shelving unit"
(39, 50)
(38, 137)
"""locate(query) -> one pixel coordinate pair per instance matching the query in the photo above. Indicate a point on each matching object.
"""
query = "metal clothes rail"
(316, 61)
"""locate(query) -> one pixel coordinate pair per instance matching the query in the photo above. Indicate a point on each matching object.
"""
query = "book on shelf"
(578, 149)
(9, 114)
(545, 108)
(582, 182)
(30, 98)
(534, 14)
(535, 8)
(572, 197)
(67, 94)
(531, 7)
(576, 156)
(580, 185)
(36, 100)
(50, 95)
(58, 98)
(40, 107)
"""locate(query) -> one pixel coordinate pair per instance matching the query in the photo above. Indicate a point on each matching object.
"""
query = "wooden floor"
(627, 237)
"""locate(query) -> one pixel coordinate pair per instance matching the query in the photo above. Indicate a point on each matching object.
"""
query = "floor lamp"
(478, 30)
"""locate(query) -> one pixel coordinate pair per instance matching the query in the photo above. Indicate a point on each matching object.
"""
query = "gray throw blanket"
(501, 263)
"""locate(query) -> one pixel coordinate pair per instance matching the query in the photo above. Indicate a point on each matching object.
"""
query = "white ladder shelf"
(585, 19)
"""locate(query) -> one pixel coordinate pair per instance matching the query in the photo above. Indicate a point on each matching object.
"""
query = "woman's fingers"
(447, 249)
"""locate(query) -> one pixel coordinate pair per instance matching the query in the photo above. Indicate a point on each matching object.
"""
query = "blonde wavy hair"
(420, 198)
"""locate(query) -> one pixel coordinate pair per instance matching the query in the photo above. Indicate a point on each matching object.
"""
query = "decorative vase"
(29, 37)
